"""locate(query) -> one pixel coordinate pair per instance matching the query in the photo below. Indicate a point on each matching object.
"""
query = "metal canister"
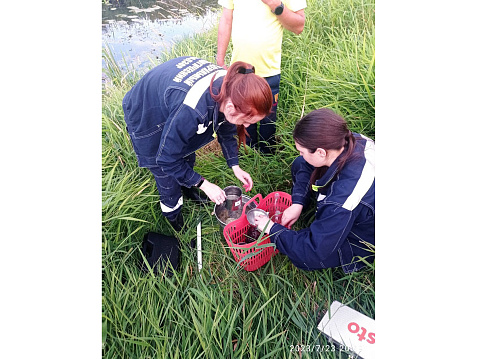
(233, 198)
(222, 214)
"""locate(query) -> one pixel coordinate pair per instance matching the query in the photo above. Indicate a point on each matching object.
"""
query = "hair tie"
(245, 71)
(347, 137)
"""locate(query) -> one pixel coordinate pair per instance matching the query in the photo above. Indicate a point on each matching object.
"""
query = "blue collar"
(327, 177)
(332, 170)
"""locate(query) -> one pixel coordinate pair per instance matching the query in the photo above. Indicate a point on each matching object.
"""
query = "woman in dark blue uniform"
(340, 167)
(179, 107)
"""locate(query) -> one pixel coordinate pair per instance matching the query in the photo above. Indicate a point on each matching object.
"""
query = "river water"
(136, 31)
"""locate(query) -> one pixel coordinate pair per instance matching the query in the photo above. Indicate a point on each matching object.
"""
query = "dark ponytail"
(249, 93)
(323, 128)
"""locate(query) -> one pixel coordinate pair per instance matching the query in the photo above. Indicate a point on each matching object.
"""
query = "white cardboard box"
(351, 330)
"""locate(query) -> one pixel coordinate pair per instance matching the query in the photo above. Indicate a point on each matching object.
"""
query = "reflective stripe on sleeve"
(199, 88)
(365, 180)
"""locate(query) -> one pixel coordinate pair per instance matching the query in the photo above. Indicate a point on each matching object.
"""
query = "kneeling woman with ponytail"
(179, 107)
(339, 166)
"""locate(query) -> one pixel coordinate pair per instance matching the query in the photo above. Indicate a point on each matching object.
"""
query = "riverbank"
(135, 34)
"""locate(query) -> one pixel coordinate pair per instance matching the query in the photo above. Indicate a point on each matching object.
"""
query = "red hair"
(249, 93)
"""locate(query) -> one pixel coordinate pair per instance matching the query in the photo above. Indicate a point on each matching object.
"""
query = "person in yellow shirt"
(255, 28)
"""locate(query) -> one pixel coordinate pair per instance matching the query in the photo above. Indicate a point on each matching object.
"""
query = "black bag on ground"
(159, 250)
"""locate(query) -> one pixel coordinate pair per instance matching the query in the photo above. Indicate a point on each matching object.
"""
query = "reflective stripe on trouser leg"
(165, 209)
(170, 193)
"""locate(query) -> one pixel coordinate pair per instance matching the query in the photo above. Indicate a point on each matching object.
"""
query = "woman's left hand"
(243, 177)
(291, 214)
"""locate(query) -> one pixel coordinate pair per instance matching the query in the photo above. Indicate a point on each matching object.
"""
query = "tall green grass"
(227, 312)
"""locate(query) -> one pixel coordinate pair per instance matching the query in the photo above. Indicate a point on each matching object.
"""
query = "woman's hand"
(214, 192)
(261, 220)
(243, 177)
(291, 214)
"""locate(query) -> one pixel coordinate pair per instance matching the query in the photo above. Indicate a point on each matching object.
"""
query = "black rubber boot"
(177, 223)
(196, 195)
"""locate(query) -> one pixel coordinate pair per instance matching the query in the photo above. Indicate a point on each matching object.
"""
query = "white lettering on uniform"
(205, 71)
(185, 62)
(189, 69)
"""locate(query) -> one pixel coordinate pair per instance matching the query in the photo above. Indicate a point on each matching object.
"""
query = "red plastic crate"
(235, 232)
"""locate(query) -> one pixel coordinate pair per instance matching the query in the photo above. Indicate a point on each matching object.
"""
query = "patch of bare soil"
(212, 147)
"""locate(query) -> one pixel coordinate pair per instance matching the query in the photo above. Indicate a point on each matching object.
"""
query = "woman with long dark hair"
(339, 166)
(179, 107)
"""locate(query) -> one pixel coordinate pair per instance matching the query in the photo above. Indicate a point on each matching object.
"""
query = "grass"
(227, 312)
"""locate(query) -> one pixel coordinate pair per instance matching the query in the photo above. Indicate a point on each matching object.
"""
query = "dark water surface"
(136, 31)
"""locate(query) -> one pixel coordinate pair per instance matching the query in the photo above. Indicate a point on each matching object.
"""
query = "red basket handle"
(252, 200)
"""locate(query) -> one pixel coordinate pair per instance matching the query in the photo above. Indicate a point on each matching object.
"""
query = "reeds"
(227, 312)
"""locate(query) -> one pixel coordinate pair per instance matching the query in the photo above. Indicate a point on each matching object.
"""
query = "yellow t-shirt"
(257, 34)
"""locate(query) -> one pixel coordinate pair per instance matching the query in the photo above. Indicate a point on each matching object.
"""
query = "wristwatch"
(200, 183)
(279, 9)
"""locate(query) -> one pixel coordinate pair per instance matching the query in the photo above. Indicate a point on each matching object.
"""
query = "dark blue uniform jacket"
(170, 114)
(345, 216)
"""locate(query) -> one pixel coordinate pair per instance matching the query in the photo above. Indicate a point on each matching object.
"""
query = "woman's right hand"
(291, 215)
(214, 192)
